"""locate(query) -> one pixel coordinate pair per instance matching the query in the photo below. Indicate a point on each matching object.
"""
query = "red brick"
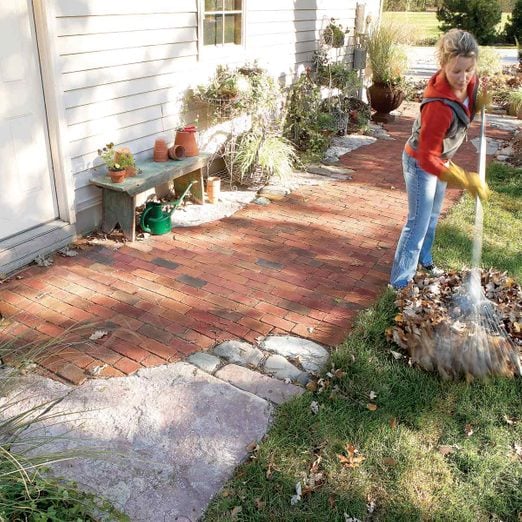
(277, 321)
(72, 373)
(258, 326)
(152, 361)
(109, 371)
(159, 349)
(127, 366)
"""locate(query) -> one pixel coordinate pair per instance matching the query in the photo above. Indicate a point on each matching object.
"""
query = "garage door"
(27, 192)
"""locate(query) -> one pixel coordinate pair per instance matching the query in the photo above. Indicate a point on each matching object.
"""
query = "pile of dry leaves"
(443, 330)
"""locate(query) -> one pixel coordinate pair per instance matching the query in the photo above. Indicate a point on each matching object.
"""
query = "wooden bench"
(119, 199)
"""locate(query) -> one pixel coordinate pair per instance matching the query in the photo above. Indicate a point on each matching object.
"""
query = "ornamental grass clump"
(256, 156)
(388, 60)
(27, 490)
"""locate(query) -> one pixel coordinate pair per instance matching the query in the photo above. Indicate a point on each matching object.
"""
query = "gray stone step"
(205, 361)
(258, 384)
(239, 352)
(311, 356)
(279, 367)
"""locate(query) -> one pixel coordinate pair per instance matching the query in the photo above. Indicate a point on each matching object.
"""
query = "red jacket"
(430, 143)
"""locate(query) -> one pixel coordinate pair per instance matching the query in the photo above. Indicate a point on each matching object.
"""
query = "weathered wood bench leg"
(119, 207)
(198, 190)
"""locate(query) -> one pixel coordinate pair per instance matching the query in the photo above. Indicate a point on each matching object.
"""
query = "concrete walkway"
(282, 280)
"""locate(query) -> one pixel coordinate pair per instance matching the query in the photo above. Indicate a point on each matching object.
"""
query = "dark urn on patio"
(384, 98)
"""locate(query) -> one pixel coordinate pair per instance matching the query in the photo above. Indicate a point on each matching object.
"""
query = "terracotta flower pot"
(213, 188)
(161, 151)
(384, 98)
(177, 152)
(117, 176)
(187, 139)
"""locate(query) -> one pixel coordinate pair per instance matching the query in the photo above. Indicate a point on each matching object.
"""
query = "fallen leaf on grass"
(259, 504)
(446, 450)
(253, 446)
(339, 374)
(234, 514)
(396, 355)
(371, 406)
(393, 423)
(297, 497)
(373, 395)
(468, 430)
(353, 459)
(311, 386)
(510, 420)
(314, 407)
(388, 461)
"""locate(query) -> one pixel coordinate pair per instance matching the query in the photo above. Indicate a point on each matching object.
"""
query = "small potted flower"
(124, 157)
(108, 156)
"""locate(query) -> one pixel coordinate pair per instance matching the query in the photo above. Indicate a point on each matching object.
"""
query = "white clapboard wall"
(126, 66)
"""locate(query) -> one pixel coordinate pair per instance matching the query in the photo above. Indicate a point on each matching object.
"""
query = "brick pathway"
(302, 266)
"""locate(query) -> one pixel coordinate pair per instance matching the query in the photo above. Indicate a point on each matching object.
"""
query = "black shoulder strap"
(458, 110)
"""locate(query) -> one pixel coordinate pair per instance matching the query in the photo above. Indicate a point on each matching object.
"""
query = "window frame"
(224, 49)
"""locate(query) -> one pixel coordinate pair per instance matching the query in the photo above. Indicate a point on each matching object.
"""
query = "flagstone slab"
(169, 437)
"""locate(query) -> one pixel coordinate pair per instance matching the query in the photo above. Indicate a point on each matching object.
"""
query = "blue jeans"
(425, 197)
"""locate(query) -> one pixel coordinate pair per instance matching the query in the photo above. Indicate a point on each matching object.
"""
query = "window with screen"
(222, 22)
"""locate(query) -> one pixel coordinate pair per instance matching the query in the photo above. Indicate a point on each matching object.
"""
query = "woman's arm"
(436, 119)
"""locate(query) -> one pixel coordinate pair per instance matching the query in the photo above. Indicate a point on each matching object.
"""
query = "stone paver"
(205, 361)
(240, 353)
(280, 368)
(169, 436)
(310, 355)
(261, 385)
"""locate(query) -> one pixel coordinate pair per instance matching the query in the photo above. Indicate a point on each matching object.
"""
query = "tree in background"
(410, 5)
(514, 25)
(479, 17)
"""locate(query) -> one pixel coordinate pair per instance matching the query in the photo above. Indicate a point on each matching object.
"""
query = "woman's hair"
(456, 42)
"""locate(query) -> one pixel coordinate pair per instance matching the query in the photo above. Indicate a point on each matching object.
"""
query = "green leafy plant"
(388, 60)
(302, 106)
(338, 75)
(334, 34)
(326, 122)
(246, 89)
(108, 156)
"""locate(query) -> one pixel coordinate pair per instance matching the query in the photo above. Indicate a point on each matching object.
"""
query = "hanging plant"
(334, 34)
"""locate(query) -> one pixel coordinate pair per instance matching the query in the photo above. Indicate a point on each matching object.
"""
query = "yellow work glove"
(456, 176)
(484, 99)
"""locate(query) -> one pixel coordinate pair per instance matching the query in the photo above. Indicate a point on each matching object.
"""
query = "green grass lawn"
(432, 450)
(422, 27)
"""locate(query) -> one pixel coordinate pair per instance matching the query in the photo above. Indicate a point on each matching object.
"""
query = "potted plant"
(124, 157)
(388, 62)
(333, 34)
(108, 156)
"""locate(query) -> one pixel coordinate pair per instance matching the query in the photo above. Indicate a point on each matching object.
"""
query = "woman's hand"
(484, 98)
(456, 176)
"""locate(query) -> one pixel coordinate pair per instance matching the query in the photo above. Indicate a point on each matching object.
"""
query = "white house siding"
(126, 66)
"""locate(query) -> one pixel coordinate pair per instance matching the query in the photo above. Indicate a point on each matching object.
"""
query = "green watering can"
(155, 220)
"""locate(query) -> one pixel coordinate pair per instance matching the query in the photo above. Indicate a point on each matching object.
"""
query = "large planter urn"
(384, 98)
